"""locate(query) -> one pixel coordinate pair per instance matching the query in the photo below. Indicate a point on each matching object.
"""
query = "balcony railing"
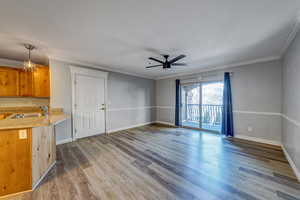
(211, 115)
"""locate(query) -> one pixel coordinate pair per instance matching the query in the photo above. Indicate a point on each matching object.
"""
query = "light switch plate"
(23, 134)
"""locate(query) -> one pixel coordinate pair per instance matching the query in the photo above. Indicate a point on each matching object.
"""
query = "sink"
(24, 115)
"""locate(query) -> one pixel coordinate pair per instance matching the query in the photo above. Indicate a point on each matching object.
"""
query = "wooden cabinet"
(26, 84)
(15, 161)
(41, 82)
(16, 82)
(9, 82)
(26, 155)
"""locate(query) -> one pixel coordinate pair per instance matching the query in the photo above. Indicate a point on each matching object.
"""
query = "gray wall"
(291, 102)
(61, 96)
(130, 99)
(256, 91)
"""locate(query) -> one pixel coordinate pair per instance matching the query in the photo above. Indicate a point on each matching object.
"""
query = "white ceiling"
(122, 34)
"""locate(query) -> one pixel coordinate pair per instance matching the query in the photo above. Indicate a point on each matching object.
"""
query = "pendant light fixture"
(29, 65)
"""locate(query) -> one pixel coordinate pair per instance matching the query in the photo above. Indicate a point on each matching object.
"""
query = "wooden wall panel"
(15, 162)
(43, 151)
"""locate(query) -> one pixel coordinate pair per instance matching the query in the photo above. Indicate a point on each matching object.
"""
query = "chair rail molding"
(130, 108)
(257, 113)
(291, 120)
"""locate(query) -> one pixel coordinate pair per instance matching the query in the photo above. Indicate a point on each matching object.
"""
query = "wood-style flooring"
(156, 162)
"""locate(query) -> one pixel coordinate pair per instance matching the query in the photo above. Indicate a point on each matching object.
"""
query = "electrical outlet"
(22, 134)
(250, 129)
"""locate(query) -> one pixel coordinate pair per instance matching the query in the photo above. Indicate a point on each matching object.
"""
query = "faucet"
(45, 110)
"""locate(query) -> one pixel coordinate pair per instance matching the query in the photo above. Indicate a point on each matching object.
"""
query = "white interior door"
(89, 105)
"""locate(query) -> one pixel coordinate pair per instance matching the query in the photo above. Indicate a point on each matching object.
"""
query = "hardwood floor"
(155, 162)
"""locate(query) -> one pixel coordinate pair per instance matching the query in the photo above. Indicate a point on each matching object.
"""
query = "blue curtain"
(227, 115)
(177, 104)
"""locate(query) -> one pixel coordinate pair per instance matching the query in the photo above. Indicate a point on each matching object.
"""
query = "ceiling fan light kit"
(167, 64)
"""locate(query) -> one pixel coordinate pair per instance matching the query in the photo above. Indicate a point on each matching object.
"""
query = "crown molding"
(289, 40)
(292, 35)
(207, 69)
(98, 67)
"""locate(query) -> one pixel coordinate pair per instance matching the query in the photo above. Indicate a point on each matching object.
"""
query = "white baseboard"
(291, 162)
(109, 131)
(255, 139)
(64, 141)
(46, 172)
(165, 123)
(129, 127)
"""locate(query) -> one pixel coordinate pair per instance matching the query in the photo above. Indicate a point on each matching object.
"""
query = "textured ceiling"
(121, 34)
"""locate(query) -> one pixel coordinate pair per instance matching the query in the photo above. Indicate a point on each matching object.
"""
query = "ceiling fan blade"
(153, 66)
(179, 64)
(177, 58)
(156, 60)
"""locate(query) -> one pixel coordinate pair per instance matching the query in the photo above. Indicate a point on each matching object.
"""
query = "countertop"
(52, 119)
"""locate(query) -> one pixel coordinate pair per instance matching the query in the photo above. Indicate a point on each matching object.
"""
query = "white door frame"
(89, 72)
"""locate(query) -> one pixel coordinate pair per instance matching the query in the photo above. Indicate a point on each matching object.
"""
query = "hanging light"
(29, 65)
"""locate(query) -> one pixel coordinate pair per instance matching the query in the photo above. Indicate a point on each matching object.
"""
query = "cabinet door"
(41, 82)
(26, 84)
(15, 161)
(43, 151)
(9, 82)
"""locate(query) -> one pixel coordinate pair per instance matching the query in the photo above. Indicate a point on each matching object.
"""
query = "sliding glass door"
(190, 109)
(201, 105)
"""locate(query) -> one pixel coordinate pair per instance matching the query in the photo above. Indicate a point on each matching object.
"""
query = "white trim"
(291, 162)
(257, 113)
(129, 127)
(136, 108)
(207, 69)
(255, 139)
(59, 121)
(98, 67)
(291, 36)
(44, 175)
(166, 107)
(64, 141)
(235, 111)
(165, 123)
(89, 72)
(291, 120)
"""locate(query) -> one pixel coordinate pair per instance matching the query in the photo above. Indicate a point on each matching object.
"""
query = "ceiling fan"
(166, 64)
